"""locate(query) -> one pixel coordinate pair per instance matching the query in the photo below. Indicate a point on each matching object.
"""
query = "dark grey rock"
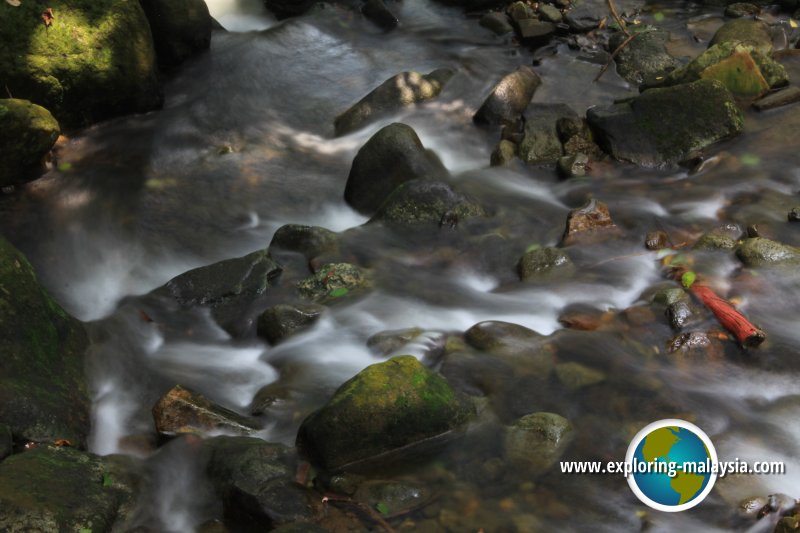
(283, 320)
(545, 264)
(541, 143)
(550, 13)
(310, 241)
(181, 28)
(535, 32)
(377, 12)
(496, 22)
(509, 97)
(643, 58)
(422, 203)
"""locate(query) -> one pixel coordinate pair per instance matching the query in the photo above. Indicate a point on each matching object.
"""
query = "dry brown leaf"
(14, 3)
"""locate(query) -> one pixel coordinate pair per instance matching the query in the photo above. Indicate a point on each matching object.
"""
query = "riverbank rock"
(404, 89)
(759, 251)
(43, 390)
(180, 28)
(509, 98)
(27, 133)
(663, 126)
(183, 411)
(536, 441)
(391, 157)
(643, 58)
(335, 281)
(229, 288)
(281, 321)
(385, 408)
(541, 142)
(255, 481)
(95, 61)
(62, 489)
(545, 264)
(750, 32)
(590, 223)
(422, 203)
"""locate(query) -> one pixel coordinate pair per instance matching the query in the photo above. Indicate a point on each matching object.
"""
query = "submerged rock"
(421, 203)
(664, 126)
(385, 408)
(575, 376)
(503, 154)
(180, 28)
(281, 321)
(387, 342)
(393, 498)
(43, 390)
(391, 157)
(94, 62)
(509, 97)
(310, 241)
(27, 133)
(718, 239)
(643, 58)
(183, 411)
(334, 281)
(545, 264)
(404, 89)
(589, 223)
(63, 489)
(759, 251)
(536, 441)
(502, 338)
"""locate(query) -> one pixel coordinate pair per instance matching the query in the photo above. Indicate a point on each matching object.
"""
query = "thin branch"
(631, 36)
(613, 8)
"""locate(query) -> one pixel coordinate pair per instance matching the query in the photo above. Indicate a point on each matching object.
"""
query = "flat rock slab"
(787, 96)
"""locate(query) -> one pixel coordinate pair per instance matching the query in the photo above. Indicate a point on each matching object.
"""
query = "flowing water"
(245, 145)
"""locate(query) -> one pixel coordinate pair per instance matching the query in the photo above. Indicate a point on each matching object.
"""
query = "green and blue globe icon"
(673, 465)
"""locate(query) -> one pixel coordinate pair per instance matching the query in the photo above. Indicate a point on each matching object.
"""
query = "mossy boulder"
(43, 391)
(63, 489)
(424, 203)
(664, 126)
(509, 98)
(404, 89)
(751, 32)
(281, 321)
(27, 133)
(545, 264)
(643, 58)
(95, 61)
(759, 251)
(386, 407)
(391, 157)
(335, 282)
(536, 441)
(180, 28)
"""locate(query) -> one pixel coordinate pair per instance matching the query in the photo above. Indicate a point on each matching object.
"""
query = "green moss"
(28, 132)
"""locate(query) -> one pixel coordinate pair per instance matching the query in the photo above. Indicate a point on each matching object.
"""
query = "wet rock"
(334, 281)
(496, 22)
(550, 13)
(575, 376)
(692, 343)
(671, 296)
(588, 223)
(679, 314)
(6, 442)
(545, 264)
(572, 166)
(63, 489)
(759, 251)
(183, 411)
(391, 157)
(421, 203)
(585, 16)
(742, 9)
(385, 408)
(719, 239)
(393, 498)
(476, 374)
(509, 97)
(502, 338)
(95, 61)
(788, 524)
(583, 318)
(230, 288)
(181, 28)
(310, 241)
(745, 31)
(789, 95)
(664, 126)
(255, 481)
(387, 342)
(656, 240)
(281, 321)
(535, 32)
(503, 154)
(643, 58)
(404, 89)
(794, 215)
(380, 15)
(537, 441)
(541, 143)
(27, 133)
(519, 11)
(43, 390)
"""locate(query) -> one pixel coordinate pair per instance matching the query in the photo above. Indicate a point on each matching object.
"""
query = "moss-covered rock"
(43, 391)
(385, 407)
(180, 28)
(663, 126)
(281, 321)
(27, 133)
(404, 89)
(334, 282)
(425, 203)
(643, 58)
(716, 240)
(745, 31)
(391, 157)
(536, 441)
(183, 411)
(544, 263)
(62, 489)
(759, 251)
(95, 61)
(509, 98)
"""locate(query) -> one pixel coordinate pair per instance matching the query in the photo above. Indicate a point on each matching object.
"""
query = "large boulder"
(509, 97)
(664, 126)
(63, 489)
(404, 89)
(43, 391)
(386, 407)
(391, 157)
(27, 133)
(96, 60)
(180, 28)
(424, 203)
(643, 58)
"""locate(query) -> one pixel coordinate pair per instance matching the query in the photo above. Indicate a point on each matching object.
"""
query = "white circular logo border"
(672, 422)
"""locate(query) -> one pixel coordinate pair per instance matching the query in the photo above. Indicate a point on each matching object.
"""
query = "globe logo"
(673, 465)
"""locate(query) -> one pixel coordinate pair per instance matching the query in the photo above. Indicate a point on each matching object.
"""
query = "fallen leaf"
(792, 22)
(47, 17)
(62, 442)
(15, 3)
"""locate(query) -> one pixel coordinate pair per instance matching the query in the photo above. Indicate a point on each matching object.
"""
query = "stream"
(245, 145)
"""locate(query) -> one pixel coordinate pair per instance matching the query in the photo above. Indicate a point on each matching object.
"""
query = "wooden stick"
(621, 23)
(611, 59)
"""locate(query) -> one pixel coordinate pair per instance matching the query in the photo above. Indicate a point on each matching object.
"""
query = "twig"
(631, 36)
(8, 92)
(621, 23)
